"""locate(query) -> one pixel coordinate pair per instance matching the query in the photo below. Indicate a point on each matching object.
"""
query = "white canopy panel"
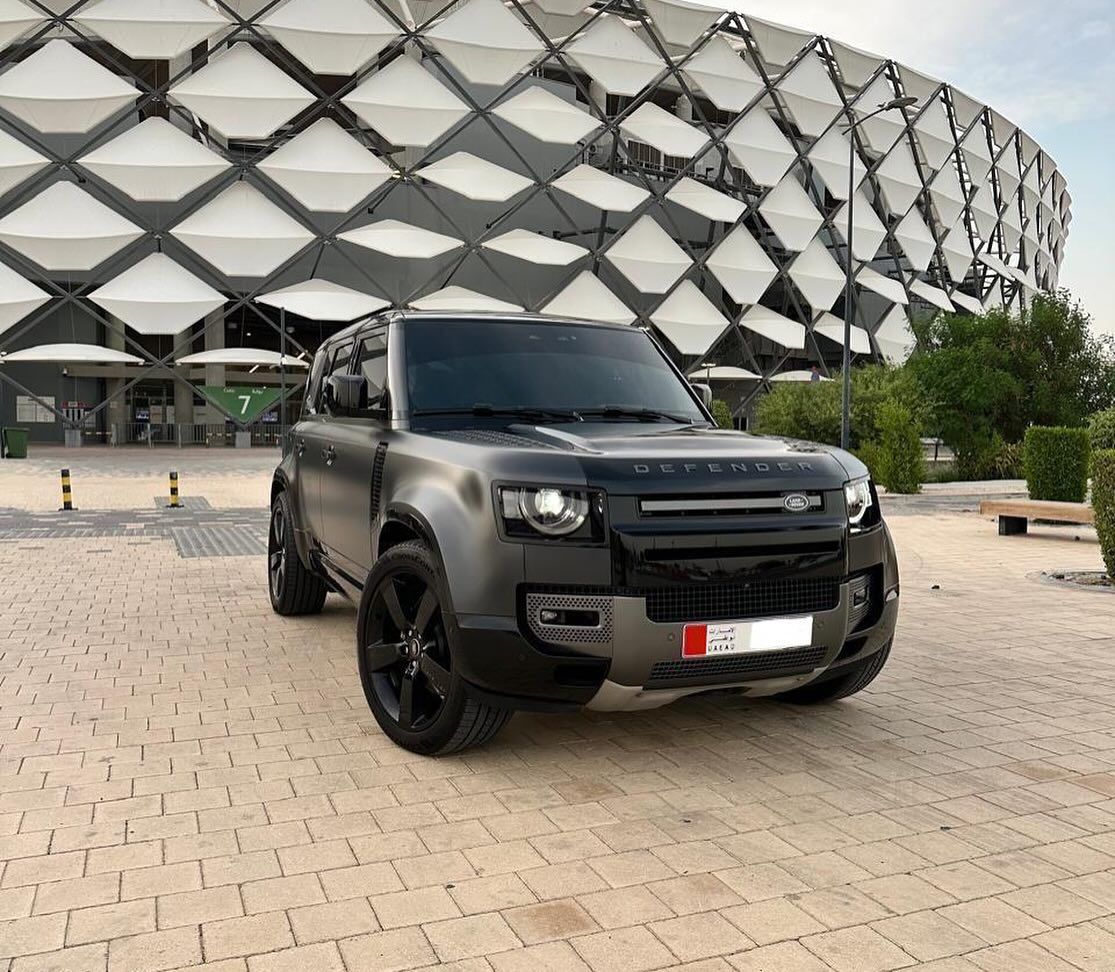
(868, 232)
(679, 22)
(18, 162)
(992, 261)
(810, 95)
(400, 239)
(778, 44)
(742, 267)
(969, 304)
(689, 320)
(830, 156)
(330, 36)
(58, 90)
(326, 169)
(244, 357)
(886, 287)
(485, 42)
(984, 211)
(934, 134)
(65, 228)
(756, 143)
(648, 257)
(770, 324)
(947, 194)
(323, 300)
(18, 298)
(977, 153)
(547, 117)
(16, 19)
(601, 189)
(667, 133)
(722, 373)
(894, 337)
(157, 29)
(462, 299)
(588, 299)
(832, 327)
(721, 73)
(799, 375)
(899, 179)
(612, 53)
(155, 162)
(883, 130)
(933, 295)
(916, 240)
(71, 354)
(536, 248)
(818, 276)
(242, 94)
(474, 178)
(958, 252)
(708, 202)
(406, 104)
(157, 296)
(790, 212)
(242, 233)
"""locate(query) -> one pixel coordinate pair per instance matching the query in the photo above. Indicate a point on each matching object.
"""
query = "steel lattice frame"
(1041, 238)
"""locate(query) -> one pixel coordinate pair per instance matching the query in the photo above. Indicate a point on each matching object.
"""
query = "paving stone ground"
(188, 781)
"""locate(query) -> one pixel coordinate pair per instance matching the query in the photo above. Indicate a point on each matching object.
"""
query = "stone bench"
(1014, 513)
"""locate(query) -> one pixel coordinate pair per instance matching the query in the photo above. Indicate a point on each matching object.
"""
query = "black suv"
(536, 513)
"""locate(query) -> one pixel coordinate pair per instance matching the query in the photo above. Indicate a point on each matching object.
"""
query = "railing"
(182, 435)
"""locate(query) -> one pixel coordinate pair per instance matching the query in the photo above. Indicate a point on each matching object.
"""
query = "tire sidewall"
(281, 505)
(418, 559)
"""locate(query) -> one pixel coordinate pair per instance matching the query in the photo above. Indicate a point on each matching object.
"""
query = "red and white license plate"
(741, 637)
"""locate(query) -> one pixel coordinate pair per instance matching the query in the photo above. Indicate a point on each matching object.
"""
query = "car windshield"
(556, 370)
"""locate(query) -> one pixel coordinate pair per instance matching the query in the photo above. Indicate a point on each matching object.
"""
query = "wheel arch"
(280, 483)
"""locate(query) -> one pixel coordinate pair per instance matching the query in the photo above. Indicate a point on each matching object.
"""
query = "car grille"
(738, 602)
(765, 664)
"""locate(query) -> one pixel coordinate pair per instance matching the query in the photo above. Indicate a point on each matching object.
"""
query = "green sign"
(242, 403)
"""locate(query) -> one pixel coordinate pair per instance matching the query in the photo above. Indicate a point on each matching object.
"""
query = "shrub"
(1056, 463)
(900, 459)
(1103, 499)
(722, 413)
(1101, 428)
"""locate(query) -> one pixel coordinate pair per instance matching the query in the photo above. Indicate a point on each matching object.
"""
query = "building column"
(117, 412)
(214, 341)
(183, 390)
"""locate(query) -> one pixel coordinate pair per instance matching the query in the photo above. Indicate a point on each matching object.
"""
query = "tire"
(855, 680)
(406, 664)
(294, 589)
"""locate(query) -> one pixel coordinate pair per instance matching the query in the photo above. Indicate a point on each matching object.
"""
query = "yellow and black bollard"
(175, 503)
(67, 492)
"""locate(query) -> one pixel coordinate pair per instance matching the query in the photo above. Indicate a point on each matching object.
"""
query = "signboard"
(28, 410)
(242, 403)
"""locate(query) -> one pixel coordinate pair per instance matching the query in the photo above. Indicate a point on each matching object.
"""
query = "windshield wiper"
(642, 414)
(527, 412)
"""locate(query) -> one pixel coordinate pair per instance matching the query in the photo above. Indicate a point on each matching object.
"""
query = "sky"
(1047, 65)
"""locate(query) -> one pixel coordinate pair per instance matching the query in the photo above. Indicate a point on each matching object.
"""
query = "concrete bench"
(1014, 513)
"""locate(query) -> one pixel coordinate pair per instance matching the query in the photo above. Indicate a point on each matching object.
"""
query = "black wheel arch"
(404, 524)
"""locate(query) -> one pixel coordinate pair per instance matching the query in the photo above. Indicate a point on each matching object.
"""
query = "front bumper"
(629, 661)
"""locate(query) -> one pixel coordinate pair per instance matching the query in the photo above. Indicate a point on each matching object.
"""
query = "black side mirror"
(705, 391)
(346, 394)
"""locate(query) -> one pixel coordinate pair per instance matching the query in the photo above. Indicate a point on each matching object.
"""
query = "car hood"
(653, 458)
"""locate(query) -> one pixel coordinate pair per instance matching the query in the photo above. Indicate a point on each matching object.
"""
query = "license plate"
(741, 637)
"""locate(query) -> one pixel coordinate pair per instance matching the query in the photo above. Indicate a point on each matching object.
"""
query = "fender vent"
(377, 478)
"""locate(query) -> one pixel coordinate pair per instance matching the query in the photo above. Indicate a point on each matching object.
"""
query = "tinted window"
(313, 387)
(371, 362)
(458, 364)
(338, 365)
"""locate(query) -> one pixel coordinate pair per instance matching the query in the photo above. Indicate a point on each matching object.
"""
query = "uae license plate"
(742, 637)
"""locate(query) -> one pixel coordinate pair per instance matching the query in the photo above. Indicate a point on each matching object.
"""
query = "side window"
(313, 386)
(371, 362)
(338, 365)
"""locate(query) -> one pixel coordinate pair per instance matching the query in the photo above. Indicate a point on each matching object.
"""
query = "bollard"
(67, 493)
(174, 503)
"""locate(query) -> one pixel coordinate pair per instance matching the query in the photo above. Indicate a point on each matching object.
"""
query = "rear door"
(346, 493)
(312, 436)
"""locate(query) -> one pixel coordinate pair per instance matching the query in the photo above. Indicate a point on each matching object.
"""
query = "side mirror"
(705, 391)
(346, 394)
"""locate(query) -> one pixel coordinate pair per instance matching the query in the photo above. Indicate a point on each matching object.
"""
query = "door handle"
(329, 454)
(300, 447)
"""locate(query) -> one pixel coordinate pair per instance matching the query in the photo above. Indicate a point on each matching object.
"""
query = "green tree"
(899, 457)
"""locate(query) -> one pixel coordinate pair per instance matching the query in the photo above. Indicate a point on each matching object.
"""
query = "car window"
(371, 362)
(313, 386)
(338, 365)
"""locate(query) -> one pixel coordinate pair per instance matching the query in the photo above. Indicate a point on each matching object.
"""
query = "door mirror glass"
(346, 394)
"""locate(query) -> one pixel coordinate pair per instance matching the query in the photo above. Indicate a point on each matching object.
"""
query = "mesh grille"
(564, 634)
(762, 664)
(494, 437)
(738, 602)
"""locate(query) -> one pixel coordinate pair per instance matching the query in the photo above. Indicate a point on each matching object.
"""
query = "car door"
(346, 495)
(312, 437)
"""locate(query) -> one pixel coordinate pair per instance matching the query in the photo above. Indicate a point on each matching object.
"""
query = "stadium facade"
(191, 188)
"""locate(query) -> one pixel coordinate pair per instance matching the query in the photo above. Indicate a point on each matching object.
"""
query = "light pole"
(849, 130)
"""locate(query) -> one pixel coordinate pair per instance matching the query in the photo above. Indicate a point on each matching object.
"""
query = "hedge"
(1056, 463)
(899, 459)
(1103, 499)
(1102, 430)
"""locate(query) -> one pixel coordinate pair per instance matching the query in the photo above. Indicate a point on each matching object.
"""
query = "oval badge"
(796, 503)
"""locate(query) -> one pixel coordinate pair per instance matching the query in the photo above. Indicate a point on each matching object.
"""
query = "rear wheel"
(857, 678)
(293, 588)
(406, 661)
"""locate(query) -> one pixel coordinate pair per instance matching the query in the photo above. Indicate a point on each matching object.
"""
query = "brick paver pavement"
(187, 781)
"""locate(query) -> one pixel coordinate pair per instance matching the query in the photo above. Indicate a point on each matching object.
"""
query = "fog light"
(548, 617)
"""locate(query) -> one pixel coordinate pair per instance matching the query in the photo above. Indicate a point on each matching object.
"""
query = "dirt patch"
(1091, 580)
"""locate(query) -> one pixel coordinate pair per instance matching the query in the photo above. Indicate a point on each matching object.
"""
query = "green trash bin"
(15, 443)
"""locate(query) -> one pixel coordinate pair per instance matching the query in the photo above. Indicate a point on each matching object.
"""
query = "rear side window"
(313, 386)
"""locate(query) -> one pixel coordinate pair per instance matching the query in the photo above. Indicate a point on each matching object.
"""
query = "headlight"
(549, 511)
(857, 499)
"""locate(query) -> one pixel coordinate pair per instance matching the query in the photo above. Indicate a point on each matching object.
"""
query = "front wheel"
(857, 678)
(406, 661)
